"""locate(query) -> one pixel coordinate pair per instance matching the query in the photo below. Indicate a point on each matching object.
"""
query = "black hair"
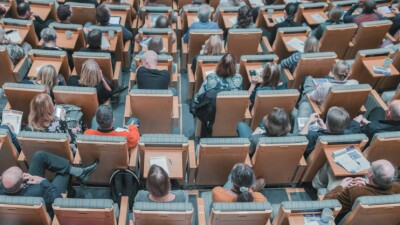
(94, 38)
(63, 12)
(243, 179)
(245, 17)
(290, 10)
(22, 8)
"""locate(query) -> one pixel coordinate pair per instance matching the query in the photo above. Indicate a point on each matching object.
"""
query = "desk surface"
(42, 11)
(206, 68)
(308, 16)
(275, 15)
(370, 63)
(174, 162)
(286, 39)
(41, 62)
(252, 66)
(121, 14)
(227, 18)
(337, 170)
(298, 219)
(62, 40)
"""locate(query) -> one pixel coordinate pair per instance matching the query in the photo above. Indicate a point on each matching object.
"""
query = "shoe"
(260, 183)
(84, 177)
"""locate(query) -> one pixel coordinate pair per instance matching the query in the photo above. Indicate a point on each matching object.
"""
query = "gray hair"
(384, 173)
(48, 34)
(204, 13)
(104, 116)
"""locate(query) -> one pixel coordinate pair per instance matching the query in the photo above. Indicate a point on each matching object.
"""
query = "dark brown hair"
(158, 182)
(226, 66)
(277, 123)
(103, 14)
(271, 75)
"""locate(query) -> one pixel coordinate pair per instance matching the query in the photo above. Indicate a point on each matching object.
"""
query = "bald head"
(383, 173)
(11, 179)
(394, 111)
(149, 60)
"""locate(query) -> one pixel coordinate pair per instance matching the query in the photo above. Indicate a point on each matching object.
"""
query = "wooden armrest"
(184, 46)
(201, 216)
(248, 161)
(391, 38)
(127, 46)
(301, 167)
(73, 72)
(260, 49)
(192, 163)
(179, 23)
(17, 68)
(117, 72)
(136, 47)
(77, 160)
(127, 113)
(8, 106)
(267, 45)
(23, 164)
(363, 110)
(126, 54)
(175, 110)
(133, 158)
(314, 105)
(379, 100)
(191, 81)
(55, 221)
(21, 157)
(124, 211)
(247, 116)
(289, 76)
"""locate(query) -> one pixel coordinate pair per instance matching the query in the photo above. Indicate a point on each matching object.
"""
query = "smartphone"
(253, 73)
(58, 111)
(270, 20)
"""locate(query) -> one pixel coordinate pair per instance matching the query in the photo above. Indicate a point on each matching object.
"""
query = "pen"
(10, 31)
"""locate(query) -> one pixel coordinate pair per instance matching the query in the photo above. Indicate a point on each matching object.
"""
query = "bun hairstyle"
(243, 179)
(341, 70)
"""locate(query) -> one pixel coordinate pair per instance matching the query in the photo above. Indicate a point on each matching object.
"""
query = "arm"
(313, 117)
(12, 136)
(127, 35)
(348, 17)
(201, 90)
(319, 31)
(133, 136)
(292, 60)
(186, 37)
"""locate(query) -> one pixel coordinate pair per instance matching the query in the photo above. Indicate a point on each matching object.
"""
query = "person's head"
(103, 14)
(226, 66)
(41, 112)
(64, 13)
(149, 60)
(341, 70)
(15, 52)
(337, 119)
(158, 182)
(243, 179)
(204, 13)
(245, 17)
(48, 35)
(277, 123)
(311, 45)
(12, 180)
(290, 11)
(271, 75)
(393, 112)
(23, 10)
(213, 45)
(91, 74)
(382, 174)
(47, 76)
(94, 38)
(369, 6)
(156, 44)
(162, 22)
(104, 117)
(336, 13)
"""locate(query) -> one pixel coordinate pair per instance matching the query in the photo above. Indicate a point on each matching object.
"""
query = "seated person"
(148, 76)
(94, 45)
(224, 78)
(158, 185)
(161, 22)
(244, 18)
(275, 124)
(105, 120)
(15, 53)
(49, 37)
(64, 13)
(240, 187)
(335, 15)
(204, 22)
(14, 182)
(380, 181)
(396, 22)
(156, 4)
(194, 4)
(289, 14)
(103, 14)
(391, 122)
(337, 122)
(92, 76)
(48, 77)
(24, 13)
(269, 80)
(310, 46)
(155, 44)
(368, 14)
(213, 46)
(229, 3)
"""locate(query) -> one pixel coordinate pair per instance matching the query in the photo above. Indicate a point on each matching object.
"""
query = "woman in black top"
(290, 11)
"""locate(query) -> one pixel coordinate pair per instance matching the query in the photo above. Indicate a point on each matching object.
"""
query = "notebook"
(279, 19)
(13, 35)
(161, 162)
(14, 118)
(115, 20)
(384, 9)
(318, 18)
(351, 160)
(296, 44)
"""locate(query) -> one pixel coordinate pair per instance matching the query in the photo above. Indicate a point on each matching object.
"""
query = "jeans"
(244, 130)
(42, 161)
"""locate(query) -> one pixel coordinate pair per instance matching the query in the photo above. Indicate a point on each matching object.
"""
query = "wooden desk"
(42, 11)
(62, 40)
(311, 21)
(148, 19)
(207, 68)
(298, 219)
(286, 39)
(274, 16)
(199, 79)
(192, 18)
(121, 14)
(226, 17)
(174, 162)
(337, 170)
(370, 63)
(44, 61)
(165, 43)
(252, 66)
(22, 30)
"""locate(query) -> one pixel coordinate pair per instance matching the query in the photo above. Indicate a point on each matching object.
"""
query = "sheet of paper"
(301, 122)
(384, 9)
(233, 20)
(115, 20)
(161, 162)
(352, 160)
(279, 19)
(14, 118)
(313, 219)
(296, 44)
(105, 44)
(318, 18)
(14, 36)
(259, 71)
(120, 129)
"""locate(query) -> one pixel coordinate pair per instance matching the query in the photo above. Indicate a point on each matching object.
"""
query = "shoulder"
(258, 197)
(142, 196)
(180, 195)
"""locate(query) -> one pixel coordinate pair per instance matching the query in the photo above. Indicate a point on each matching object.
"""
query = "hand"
(395, 10)
(359, 118)
(35, 180)
(346, 182)
(359, 181)
(313, 117)
(365, 121)
(256, 79)
(321, 124)
(26, 177)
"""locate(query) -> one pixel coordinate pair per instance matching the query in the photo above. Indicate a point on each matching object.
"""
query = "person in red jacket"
(105, 119)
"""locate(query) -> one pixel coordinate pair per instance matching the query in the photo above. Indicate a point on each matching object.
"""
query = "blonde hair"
(91, 74)
(341, 70)
(311, 45)
(41, 112)
(48, 76)
(213, 45)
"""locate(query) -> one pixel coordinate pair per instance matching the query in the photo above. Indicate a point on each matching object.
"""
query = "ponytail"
(243, 179)
(245, 195)
(290, 10)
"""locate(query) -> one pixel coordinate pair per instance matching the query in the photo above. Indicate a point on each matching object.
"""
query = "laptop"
(115, 20)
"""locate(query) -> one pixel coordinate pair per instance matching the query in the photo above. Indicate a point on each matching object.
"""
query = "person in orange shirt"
(105, 119)
(240, 187)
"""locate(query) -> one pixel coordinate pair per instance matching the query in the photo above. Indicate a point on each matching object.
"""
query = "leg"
(61, 182)
(321, 178)
(244, 130)
(42, 161)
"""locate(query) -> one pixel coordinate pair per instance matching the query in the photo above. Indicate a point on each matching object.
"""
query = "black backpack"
(205, 110)
(124, 182)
